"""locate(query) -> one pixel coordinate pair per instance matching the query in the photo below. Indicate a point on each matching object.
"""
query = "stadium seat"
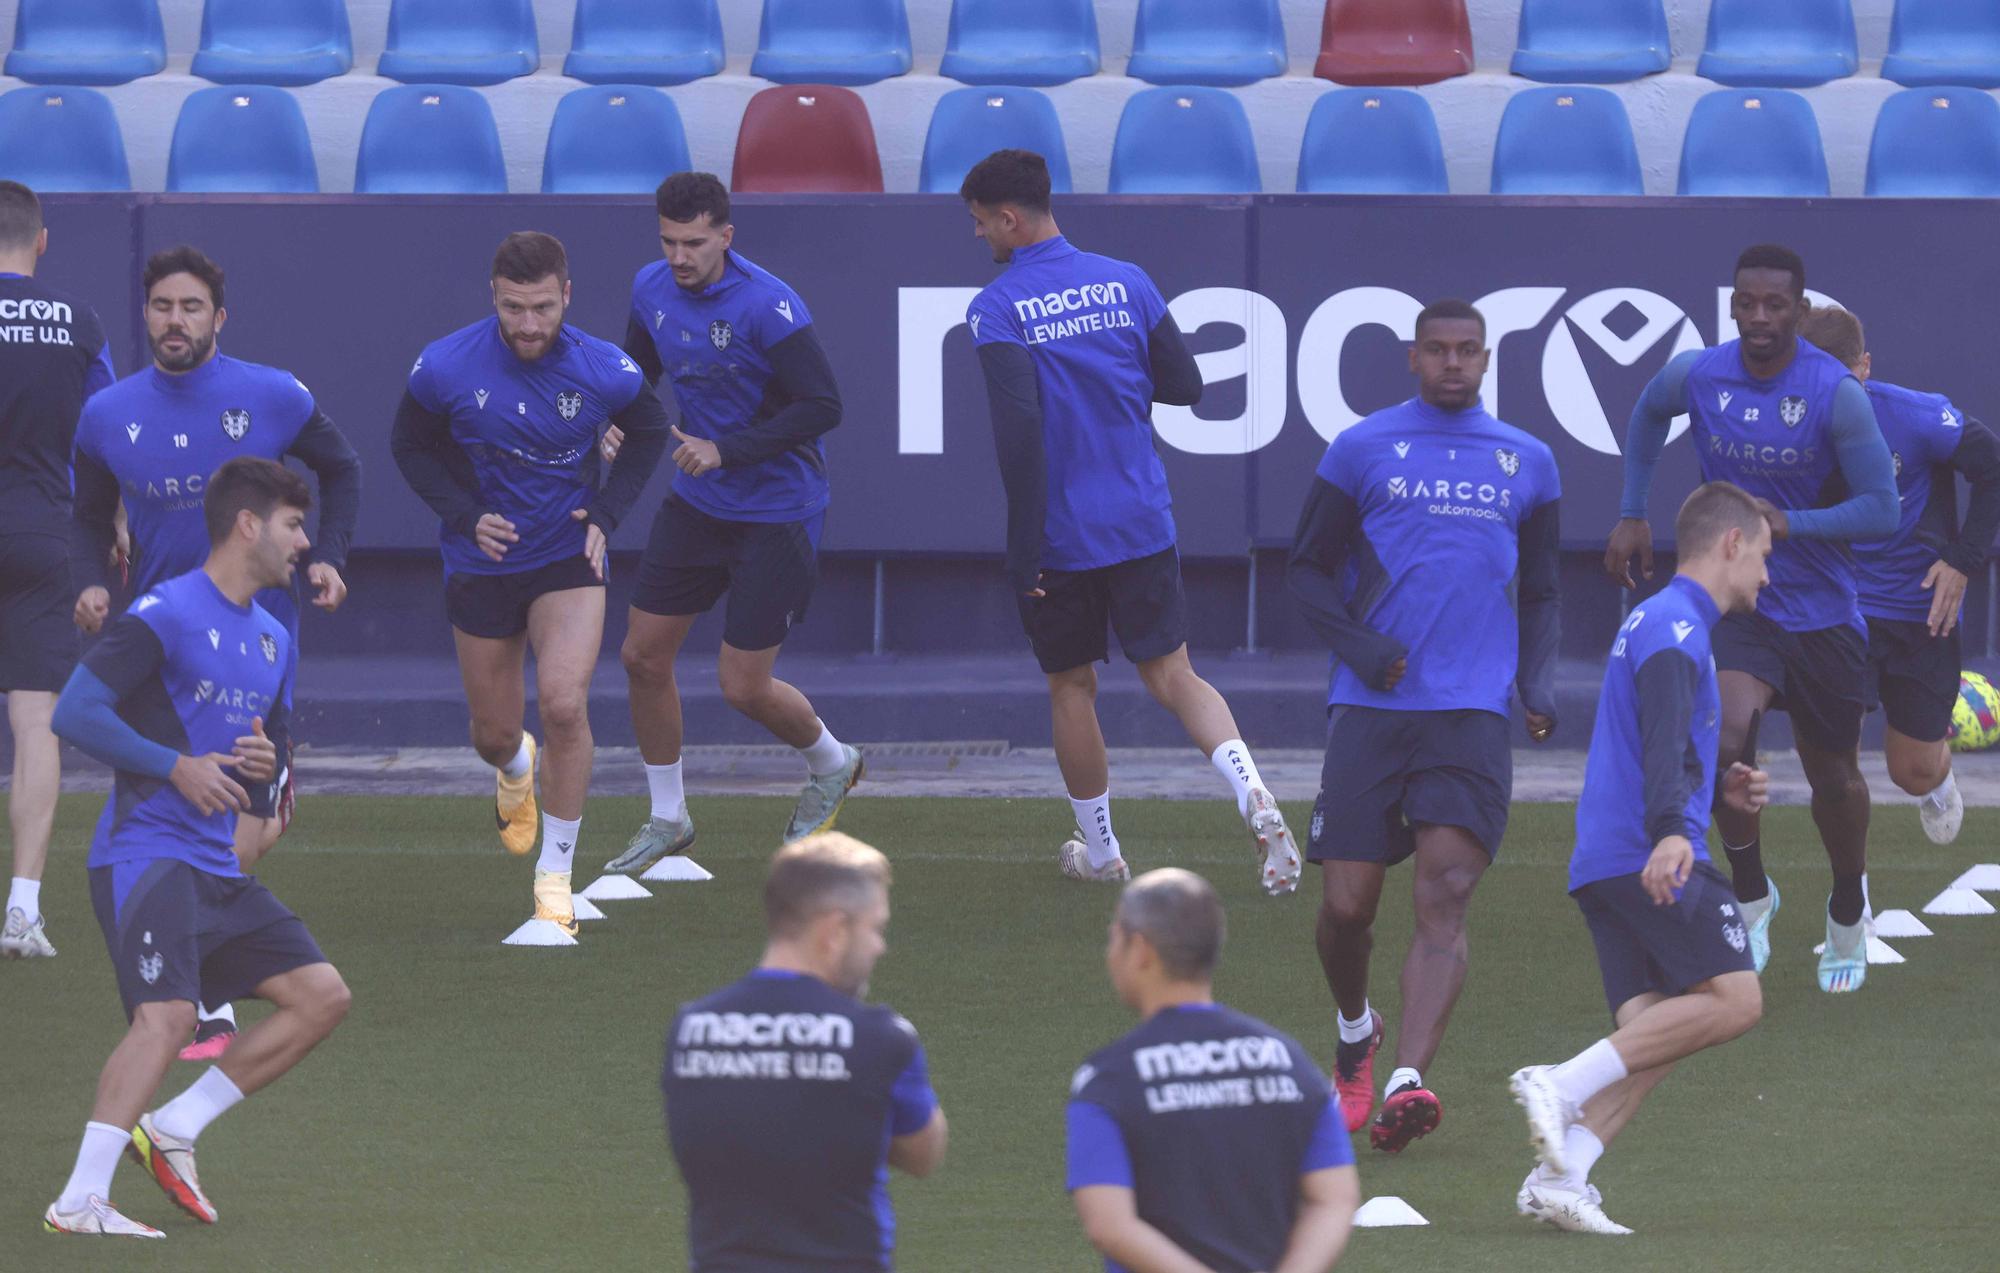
(1933, 143)
(971, 123)
(613, 139)
(1021, 42)
(248, 139)
(62, 139)
(87, 41)
(274, 41)
(1944, 42)
(832, 41)
(1566, 141)
(1591, 41)
(1381, 42)
(1779, 43)
(1223, 42)
(460, 41)
(1753, 141)
(430, 139)
(644, 41)
(1372, 141)
(1185, 140)
(807, 138)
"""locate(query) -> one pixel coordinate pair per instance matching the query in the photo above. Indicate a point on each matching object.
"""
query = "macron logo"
(1402, 450)
(659, 316)
(785, 308)
(1723, 404)
(480, 396)
(1681, 629)
(214, 639)
(132, 432)
(974, 320)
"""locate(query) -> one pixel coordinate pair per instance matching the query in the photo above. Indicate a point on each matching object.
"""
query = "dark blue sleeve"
(1646, 434)
(1314, 574)
(647, 422)
(1666, 683)
(1871, 511)
(93, 525)
(101, 373)
(1977, 456)
(1097, 1153)
(911, 1101)
(326, 451)
(1537, 600)
(1329, 1146)
(87, 716)
(1014, 397)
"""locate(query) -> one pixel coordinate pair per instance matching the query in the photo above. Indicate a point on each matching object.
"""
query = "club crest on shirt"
(235, 423)
(1510, 461)
(568, 404)
(150, 966)
(1792, 410)
(269, 645)
(719, 333)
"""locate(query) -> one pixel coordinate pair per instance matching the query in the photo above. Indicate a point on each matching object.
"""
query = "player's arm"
(1872, 508)
(640, 349)
(434, 465)
(1665, 397)
(1667, 682)
(93, 527)
(1538, 605)
(1320, 545)
(1014, 397)
(1100, 1184)
(1977, 458)
(100, 374)
(917, 1129)
(324, 449)
(1176, 375)
(812, 403)
(645, 423)
(1329, 1191)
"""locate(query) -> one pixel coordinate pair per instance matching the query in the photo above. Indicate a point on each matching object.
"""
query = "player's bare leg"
(1923, 769)
(31, 813)
(1345, 931)
(832, 767)
(495, 695)
(1449, 863)
(1093, 853)
(1743, 697)
(1840, 810)
(566, 630)
(309, 1003)
(132, 1074)
(652, 647)
(1202, 712)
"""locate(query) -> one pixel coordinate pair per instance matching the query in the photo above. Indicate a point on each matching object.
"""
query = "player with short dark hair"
(1912, 584)
(1076, 348)
(788, 1096)
(1426, 557)
(1792, 426)
(184, 697)
(1181, 1160)
(54, 356)
(1671, 941)
(498, 432)
(739, 351)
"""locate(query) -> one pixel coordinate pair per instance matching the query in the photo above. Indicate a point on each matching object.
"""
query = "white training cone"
(1900, 924)
(1384, 1213)
(676, 869)
(614, 888)
(1879, 951)
(1984, 878)
(1958, 901)
(538, 932)
(584, 907)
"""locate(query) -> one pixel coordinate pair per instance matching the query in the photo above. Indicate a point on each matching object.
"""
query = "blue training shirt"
(529, 429)
(1922, 431)
(714, 346)
(1085, 321)
(1441, 495)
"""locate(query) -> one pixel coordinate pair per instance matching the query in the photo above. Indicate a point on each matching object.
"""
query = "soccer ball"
(1975, 718)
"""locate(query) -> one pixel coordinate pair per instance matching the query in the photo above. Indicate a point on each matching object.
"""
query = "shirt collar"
(1438, 415)
(1703, 603)
(218, 594)
(733, 273)
(1046, 250)
(189, 381)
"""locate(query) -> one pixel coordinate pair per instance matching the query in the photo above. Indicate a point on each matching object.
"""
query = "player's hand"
(614, 438)
(1947, 591)
(1667, 869)
(93, 606)
(207, 785)
(1744, 789)
(255, 754)
(1781, 525)
(695, 456)
(1393, 674)
(1631, 535)
(1540, 726)
(329, 588)
(493, 534)
(1037, 592)
(593, 542)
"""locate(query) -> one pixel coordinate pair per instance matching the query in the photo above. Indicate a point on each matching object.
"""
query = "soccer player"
(1076, 348)
(1670, 938)
(54, 357)
(185, 697)
(1426, 557)
(738, 349)
(498, 433)
(1912, 584)
(1788, 424)
(1203, 1138)
(788, 1097)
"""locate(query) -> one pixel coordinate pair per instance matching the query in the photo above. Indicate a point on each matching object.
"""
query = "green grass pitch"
(494, 1108)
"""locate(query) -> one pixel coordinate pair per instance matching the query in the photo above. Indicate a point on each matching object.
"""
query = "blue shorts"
(179, 933)
(1647, 949)
(1387, 771)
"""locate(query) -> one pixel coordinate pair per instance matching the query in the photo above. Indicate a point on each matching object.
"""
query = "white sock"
(826, 754)
(1939, 795)
(103, 1145)
(1588, 1072)
(1093, 818)
(1403, 1077)
(1232, 761)
(25, 895)
(558, 843)
(669, 800)
(1582, 1148)
(522, 762)
(1356, 1031)
(227, 1012)
(186, 1115)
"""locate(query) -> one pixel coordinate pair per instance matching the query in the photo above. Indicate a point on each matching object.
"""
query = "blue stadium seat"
(1944, 42)
(248, 139)
(971, 123)
(1753, 141)
(1779, 43)
(1933, 143)
(274, 41)
(430, 139)
(644, 41)
(1372, 141)
(1566, 141)
(614, 139)
(87, 41)
(832, 41)
(460, 41)
(1223, 42)
(1591, 41)
(62, 139)
(1184, 140)
(1021, 42)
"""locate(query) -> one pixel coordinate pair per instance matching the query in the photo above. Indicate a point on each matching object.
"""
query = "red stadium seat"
(807, 138)
(1380, 42)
